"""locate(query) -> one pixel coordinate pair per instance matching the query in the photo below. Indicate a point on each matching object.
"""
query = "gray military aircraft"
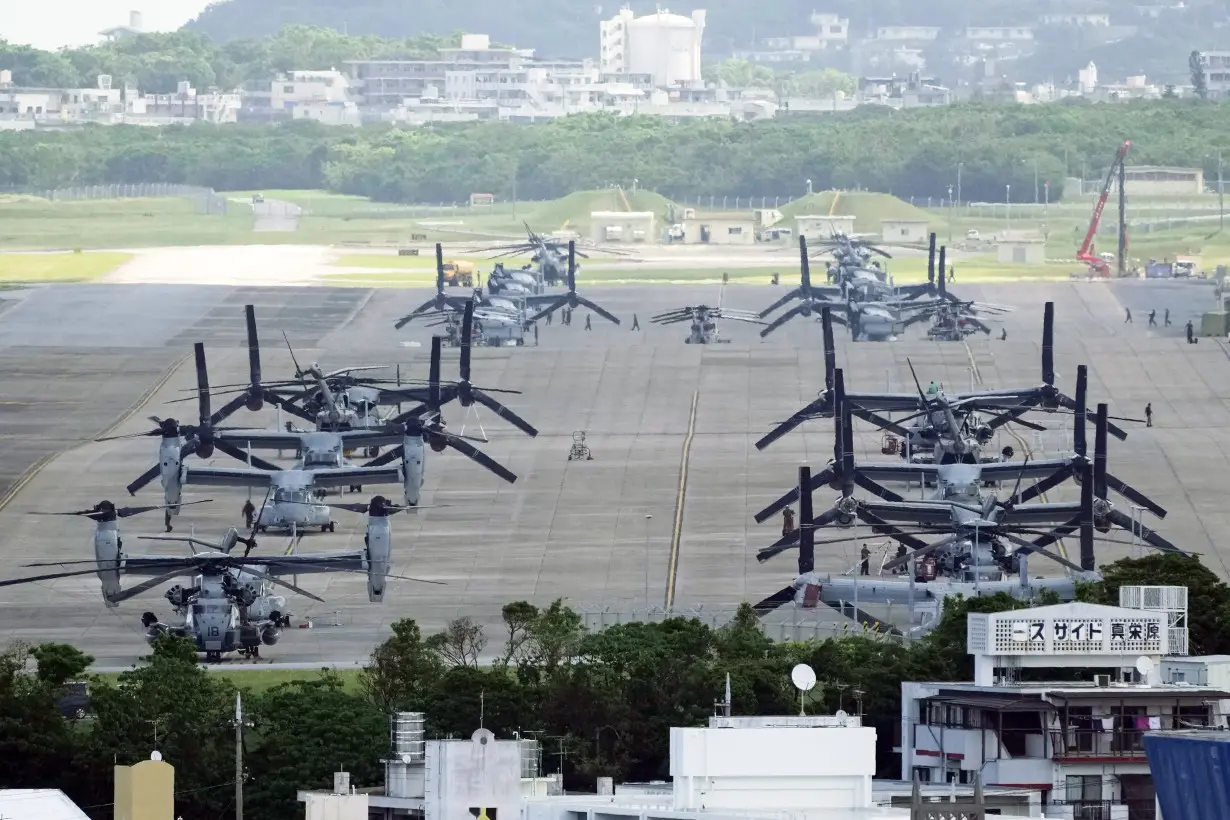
(1006, 405)
(703, 320)
(977, 528)
(549, 261)
(231, 605)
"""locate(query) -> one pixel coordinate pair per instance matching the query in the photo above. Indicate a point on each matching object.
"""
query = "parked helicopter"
(230, 605)
(703, 320)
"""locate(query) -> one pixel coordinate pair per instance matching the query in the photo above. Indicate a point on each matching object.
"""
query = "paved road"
(573, 529)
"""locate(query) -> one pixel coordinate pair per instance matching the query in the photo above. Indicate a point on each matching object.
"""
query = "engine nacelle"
(414, 453)
(107, 553)
(169, 467)
(379, 541)
(270, 635)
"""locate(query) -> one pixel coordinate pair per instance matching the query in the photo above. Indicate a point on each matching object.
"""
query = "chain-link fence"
(207, 200)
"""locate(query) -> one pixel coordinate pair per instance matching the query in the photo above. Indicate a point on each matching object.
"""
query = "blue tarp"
(1191, 773)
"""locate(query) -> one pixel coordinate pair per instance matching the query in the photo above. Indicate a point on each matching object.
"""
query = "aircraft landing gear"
(213, 657)
(330, 527)
(166, 520)
(356, 488)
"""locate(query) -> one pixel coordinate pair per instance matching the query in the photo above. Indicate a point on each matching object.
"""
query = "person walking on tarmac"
(636, 323)
(1149, 414)
(1153, 318)
(588, 326)
(1166, 317)
(248, 512)
(787, 522)
(1191, 334)
(535, 334)
(864, 566)
(1128, 320)
(549, 319)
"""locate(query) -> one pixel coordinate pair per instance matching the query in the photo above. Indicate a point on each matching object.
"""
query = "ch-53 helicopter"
(231, 605)
(703, 320)
(549, 261)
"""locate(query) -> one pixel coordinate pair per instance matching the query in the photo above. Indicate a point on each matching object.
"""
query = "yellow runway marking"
(672, 572)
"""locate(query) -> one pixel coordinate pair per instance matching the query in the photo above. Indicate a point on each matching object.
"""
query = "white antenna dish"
(803, 677)
(155, 756)
(842, 714)
(1144, 666)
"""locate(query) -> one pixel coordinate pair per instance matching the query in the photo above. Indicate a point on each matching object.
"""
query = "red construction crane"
(1086, 253)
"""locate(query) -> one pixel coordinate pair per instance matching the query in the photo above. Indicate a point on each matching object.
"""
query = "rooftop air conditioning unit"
(1101, 681)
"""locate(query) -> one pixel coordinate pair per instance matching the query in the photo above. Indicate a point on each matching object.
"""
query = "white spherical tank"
(666, 46)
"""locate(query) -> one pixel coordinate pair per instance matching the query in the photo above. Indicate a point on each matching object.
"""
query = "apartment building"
(1078, 741)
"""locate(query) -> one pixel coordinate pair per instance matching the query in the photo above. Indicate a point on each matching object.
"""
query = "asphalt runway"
(600, 533)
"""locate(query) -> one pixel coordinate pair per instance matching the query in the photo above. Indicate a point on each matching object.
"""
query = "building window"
(735, 231)
(288, 89)
(1084, 788)
(922, 774)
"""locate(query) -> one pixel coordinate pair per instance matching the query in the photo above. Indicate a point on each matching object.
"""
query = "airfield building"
(817, 226)
(1021, 250)
(903, 230)
(719, 230)
(622, 226)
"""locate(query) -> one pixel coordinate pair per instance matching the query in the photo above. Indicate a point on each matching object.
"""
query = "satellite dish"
(155, 756)
(1144, 666)
(803, 677)
(842, 714)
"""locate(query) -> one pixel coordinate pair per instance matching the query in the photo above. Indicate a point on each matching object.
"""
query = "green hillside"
(868, 209)
(572, 212)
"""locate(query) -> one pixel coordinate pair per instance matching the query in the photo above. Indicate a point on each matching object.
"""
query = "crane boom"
(1085, 254)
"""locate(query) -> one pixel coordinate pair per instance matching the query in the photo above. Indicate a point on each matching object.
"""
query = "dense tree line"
(156, 63)
(612, 696)
(909, 153)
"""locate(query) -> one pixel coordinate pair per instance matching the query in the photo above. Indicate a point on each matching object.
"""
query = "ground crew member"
(1166, 318)
(549, 315)
(952, 273)
(588, 326)
(787, 522)
(1003, 336)
(1149, 414)
(535, 333)
(1190, 333)
(636, 323)
(901, 570)
(864, 567)
(1153, 318)
(248, 512)
(1128, 320)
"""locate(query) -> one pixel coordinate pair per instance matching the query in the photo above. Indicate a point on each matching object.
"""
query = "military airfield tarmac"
(79, 360)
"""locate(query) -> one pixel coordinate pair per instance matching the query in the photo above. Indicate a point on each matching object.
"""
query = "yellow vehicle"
(459, 273)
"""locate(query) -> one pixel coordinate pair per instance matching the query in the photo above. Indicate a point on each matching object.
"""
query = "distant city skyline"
(55, 24)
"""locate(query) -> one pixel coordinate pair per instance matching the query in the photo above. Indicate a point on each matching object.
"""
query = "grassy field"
(257, 680)
(39, 224)
(58, 267)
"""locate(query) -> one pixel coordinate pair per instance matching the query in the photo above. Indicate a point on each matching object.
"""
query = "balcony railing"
(1083, 743)
(1086, 809)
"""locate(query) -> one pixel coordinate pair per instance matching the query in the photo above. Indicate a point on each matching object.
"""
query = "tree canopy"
(156, 63)
(908, 153)
(608, 699)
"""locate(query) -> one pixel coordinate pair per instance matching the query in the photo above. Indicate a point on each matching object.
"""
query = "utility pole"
(1221, 189)
(238, 756)
(1123, 237)
(950, 214)
(960, 167)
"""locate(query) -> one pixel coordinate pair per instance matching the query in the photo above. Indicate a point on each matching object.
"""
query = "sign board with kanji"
(1068, 629)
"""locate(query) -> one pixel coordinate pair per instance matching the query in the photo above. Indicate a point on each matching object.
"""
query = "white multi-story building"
(1216, 73)
(1079, 742)
(663, 45)
(1071, 19)
(999, 34)
(919, 34)
(323, 96)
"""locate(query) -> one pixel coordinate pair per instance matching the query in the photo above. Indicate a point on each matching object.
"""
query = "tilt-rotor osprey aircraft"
(977, 525)
(1007, 405)
(501, 310)
(974, 528)
(703, 320)
(230, 605)
(862, 301)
